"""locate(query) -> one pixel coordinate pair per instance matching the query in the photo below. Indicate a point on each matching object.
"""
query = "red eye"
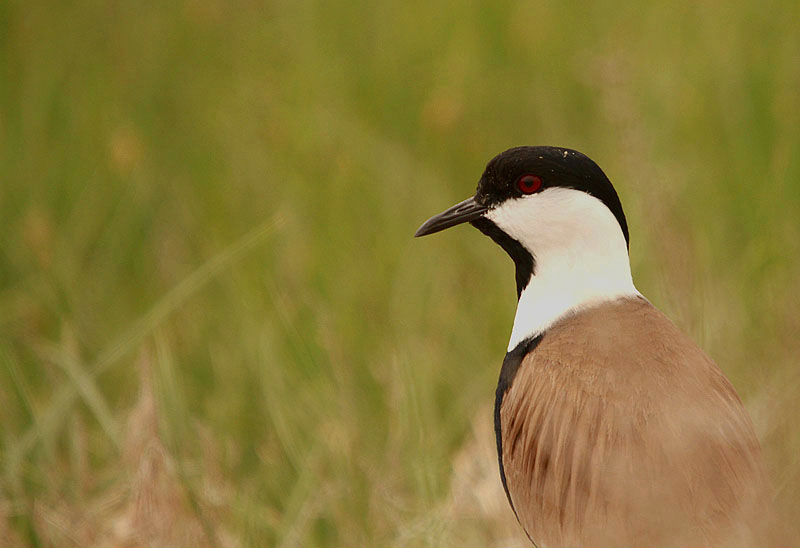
(528, 184)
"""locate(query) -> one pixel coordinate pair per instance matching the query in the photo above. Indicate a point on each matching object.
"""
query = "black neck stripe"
(524, 261)
(511, 364)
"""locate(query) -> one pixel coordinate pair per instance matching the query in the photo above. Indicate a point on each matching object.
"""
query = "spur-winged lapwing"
(613, 428)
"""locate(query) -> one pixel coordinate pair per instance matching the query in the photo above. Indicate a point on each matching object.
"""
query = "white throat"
(581, 257)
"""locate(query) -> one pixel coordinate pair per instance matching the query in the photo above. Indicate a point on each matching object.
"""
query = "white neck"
(581, 257)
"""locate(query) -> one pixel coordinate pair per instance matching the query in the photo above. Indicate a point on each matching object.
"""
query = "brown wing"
(619, 431)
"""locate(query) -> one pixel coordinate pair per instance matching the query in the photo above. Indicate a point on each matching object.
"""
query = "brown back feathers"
(619, 431)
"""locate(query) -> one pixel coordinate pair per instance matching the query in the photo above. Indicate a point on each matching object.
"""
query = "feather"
(617, 430)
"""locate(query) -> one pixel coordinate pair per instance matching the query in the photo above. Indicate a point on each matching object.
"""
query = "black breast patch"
(509, 370)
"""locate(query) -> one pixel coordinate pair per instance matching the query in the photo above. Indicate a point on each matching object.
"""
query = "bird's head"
(557, 215)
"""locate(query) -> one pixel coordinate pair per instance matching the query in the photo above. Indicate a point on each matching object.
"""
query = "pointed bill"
(463, 212)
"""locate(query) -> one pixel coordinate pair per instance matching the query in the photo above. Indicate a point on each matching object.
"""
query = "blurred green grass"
(210, 205)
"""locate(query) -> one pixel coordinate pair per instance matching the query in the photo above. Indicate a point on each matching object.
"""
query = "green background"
(217, 329)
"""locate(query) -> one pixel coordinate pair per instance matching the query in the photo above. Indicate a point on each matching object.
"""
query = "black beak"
(463, 212)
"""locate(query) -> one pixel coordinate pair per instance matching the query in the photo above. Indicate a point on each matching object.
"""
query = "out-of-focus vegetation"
(216, 327)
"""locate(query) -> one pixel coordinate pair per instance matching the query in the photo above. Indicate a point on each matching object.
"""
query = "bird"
(613, 428)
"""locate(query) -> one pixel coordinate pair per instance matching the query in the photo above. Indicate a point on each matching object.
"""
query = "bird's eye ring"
(528, 184)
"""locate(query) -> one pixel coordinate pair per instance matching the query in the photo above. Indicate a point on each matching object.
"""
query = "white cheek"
(580, 253)
(553, 218)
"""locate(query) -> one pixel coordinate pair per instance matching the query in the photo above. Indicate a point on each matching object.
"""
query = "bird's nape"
(614, 429)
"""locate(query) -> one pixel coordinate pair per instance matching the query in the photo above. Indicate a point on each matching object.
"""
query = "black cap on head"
(521, 171)
(555, 167)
